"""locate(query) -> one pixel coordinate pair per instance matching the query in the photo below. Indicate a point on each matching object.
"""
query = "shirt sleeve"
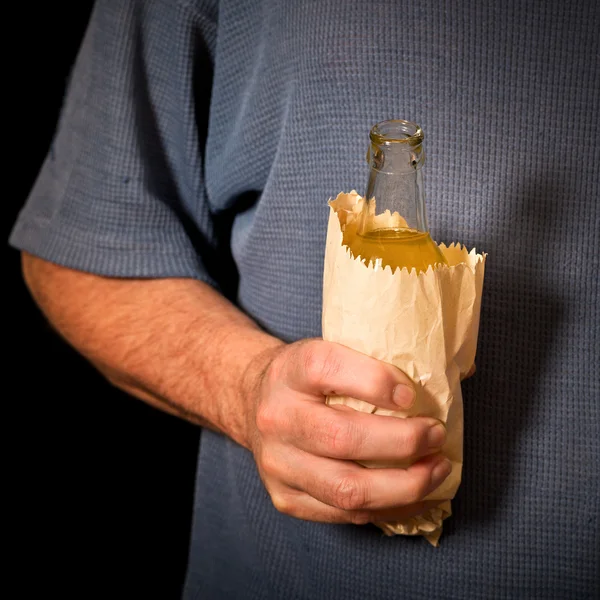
(121, 192)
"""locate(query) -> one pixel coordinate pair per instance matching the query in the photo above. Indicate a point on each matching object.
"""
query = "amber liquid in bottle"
(398, 248)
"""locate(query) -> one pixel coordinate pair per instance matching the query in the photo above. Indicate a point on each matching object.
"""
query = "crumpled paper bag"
(426, 324)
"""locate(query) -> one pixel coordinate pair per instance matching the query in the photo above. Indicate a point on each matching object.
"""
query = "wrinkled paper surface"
(426, 324)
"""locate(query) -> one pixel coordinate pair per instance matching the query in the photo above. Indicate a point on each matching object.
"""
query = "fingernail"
(440, 472)
(403, 396)
(436, 436)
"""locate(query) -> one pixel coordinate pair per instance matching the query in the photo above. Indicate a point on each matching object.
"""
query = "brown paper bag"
(424, 324)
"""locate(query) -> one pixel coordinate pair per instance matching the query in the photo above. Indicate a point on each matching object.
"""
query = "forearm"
(175, 343)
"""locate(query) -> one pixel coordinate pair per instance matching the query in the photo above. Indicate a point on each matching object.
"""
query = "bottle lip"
(396, 131)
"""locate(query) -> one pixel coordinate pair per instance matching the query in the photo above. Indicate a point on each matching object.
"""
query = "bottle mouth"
(396, 131)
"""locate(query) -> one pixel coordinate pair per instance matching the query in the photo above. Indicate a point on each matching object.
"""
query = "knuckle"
(350, 493)
(266, 418)
(411, 439)
(360, 517)
(318, 363)
(282, 503)
(341, 439)
(269, 465)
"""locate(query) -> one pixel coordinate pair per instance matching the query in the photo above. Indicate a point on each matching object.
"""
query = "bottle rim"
(396, 131)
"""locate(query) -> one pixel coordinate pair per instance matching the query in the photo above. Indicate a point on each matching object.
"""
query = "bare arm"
(180, 346)
(174, 343)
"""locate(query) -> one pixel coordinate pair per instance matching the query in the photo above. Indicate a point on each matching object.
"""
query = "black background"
(100, 487)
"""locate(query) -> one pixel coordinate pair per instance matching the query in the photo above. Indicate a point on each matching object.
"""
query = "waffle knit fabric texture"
(203, 139)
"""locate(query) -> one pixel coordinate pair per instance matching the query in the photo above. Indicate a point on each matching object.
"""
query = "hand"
(305, 449)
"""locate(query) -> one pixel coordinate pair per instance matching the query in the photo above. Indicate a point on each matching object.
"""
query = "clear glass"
(395, 184)
(395, 159)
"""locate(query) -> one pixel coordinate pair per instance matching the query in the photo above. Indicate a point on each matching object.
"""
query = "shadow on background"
(101, 486)
(521, 309)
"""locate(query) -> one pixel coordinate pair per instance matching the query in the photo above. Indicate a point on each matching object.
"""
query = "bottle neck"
(395, 183)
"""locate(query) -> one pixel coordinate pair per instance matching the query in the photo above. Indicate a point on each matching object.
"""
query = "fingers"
(326, 369)
(306, 451)
(352, 487)
(352, 435)
(348, 486)
(302, 506)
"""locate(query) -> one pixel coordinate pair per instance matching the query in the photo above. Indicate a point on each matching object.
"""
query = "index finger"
(322, 368)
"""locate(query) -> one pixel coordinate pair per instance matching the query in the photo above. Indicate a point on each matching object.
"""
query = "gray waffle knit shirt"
(203, 140)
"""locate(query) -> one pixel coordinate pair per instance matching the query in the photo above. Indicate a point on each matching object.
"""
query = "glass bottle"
(395, 184)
